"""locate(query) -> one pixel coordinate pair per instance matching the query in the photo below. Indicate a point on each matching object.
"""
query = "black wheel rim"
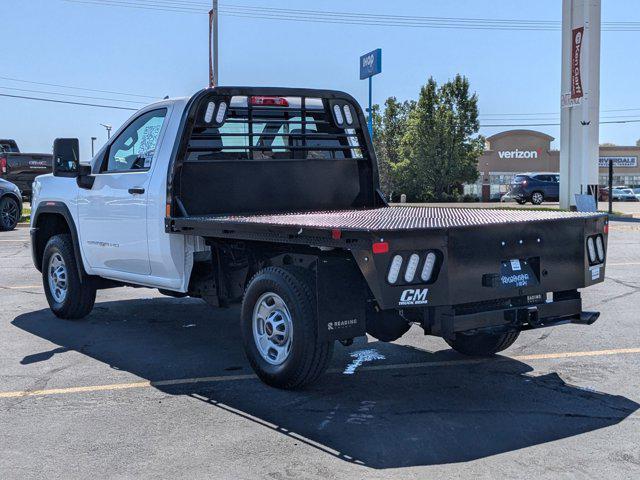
(9, 213)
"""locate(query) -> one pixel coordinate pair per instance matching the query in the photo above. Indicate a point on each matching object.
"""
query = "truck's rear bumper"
(446, 321)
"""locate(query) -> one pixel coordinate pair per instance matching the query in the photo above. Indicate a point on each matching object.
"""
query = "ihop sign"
(371, 64)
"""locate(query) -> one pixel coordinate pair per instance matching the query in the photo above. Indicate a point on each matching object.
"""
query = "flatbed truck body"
(270, 197)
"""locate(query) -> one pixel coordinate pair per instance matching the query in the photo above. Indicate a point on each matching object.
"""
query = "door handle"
(136, 190)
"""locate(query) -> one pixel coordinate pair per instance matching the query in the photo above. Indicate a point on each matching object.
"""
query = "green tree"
(389, 127)
(440, 148)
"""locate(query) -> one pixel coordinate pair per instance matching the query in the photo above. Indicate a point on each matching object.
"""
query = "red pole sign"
(576, 49)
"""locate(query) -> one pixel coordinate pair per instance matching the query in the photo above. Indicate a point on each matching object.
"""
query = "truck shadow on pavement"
(386, 418)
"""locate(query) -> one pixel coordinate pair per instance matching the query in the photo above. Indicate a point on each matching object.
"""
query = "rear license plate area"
(519, 273)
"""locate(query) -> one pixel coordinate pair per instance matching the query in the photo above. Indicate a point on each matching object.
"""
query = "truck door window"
(135, 146)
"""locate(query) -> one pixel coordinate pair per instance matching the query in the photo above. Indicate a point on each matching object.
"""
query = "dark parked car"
(10, 205)
(535, 187)
(22, 168)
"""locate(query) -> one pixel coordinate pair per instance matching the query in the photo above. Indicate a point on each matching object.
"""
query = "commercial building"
(517, 151)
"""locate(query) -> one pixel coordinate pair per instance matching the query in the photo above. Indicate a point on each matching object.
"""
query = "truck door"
(113, 213)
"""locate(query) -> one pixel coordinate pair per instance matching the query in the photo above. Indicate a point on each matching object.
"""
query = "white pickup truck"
(269, 197)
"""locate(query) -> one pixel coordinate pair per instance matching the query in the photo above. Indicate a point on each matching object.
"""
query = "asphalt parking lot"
(155, 387)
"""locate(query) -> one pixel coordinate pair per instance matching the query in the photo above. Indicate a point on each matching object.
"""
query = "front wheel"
(9, 214)
(521, 201)
(537, 198)
(279, 328)
(482, 344)
(69, 297)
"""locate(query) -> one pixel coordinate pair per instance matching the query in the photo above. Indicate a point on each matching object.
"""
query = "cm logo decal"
(414, 296)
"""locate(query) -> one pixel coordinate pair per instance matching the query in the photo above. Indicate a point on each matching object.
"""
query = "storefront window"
(619, 180)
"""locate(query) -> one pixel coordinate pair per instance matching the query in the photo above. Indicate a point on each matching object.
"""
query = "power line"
(76, 88)
(70, 95)
(52, 100)
(636, 120)
(318, 16)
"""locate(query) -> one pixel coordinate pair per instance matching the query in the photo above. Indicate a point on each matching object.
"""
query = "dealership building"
(518, 151)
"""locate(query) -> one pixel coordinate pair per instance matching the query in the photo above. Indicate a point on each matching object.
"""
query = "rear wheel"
(279, 328)
(69, 297)
(9, 213)
(537, 198)
(482, 344)
(386, 325)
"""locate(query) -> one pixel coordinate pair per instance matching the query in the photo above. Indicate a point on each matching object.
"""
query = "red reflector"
(606, 228)
(380, 247)
(336, 234)
(269, 101)
(3, 164)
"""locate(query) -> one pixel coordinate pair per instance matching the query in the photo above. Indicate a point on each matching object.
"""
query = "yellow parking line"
(226, 378)
(21, 287)
(622, 264)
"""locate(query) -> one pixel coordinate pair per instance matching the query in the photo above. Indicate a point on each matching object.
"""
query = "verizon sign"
(519, 154)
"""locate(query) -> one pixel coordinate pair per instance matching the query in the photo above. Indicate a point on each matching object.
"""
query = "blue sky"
(165, 53)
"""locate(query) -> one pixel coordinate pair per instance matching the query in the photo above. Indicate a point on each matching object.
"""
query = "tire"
(521, 201)
(537, 198)
(482, 344)
(9, 214)
(68, 296)
(386, 325)
(291, 356)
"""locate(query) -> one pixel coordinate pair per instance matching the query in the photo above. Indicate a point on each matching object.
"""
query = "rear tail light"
(427, 269)
(394, 269)
(3, 164)
(412, 266)
(268, 101)
(423, 263)
(591, 248)
(600, 248)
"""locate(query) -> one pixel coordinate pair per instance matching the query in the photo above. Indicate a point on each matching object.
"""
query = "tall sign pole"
(213, 45)
(580, 100)
(370, 65)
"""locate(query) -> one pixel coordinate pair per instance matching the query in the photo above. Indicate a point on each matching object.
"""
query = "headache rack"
(264, 150)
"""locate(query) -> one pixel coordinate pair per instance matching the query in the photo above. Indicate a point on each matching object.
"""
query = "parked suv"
(10, 205)
(535, 187)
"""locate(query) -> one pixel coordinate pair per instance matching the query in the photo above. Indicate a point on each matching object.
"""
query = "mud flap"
(341, 299)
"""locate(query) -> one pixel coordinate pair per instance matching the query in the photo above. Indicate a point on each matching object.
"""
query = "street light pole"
(108, 127)
(93, 139)
(213, 44)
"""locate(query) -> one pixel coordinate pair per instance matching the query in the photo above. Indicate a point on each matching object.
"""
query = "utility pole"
(93, 139)
(213, 45)
(108, 127)
(580, 100)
